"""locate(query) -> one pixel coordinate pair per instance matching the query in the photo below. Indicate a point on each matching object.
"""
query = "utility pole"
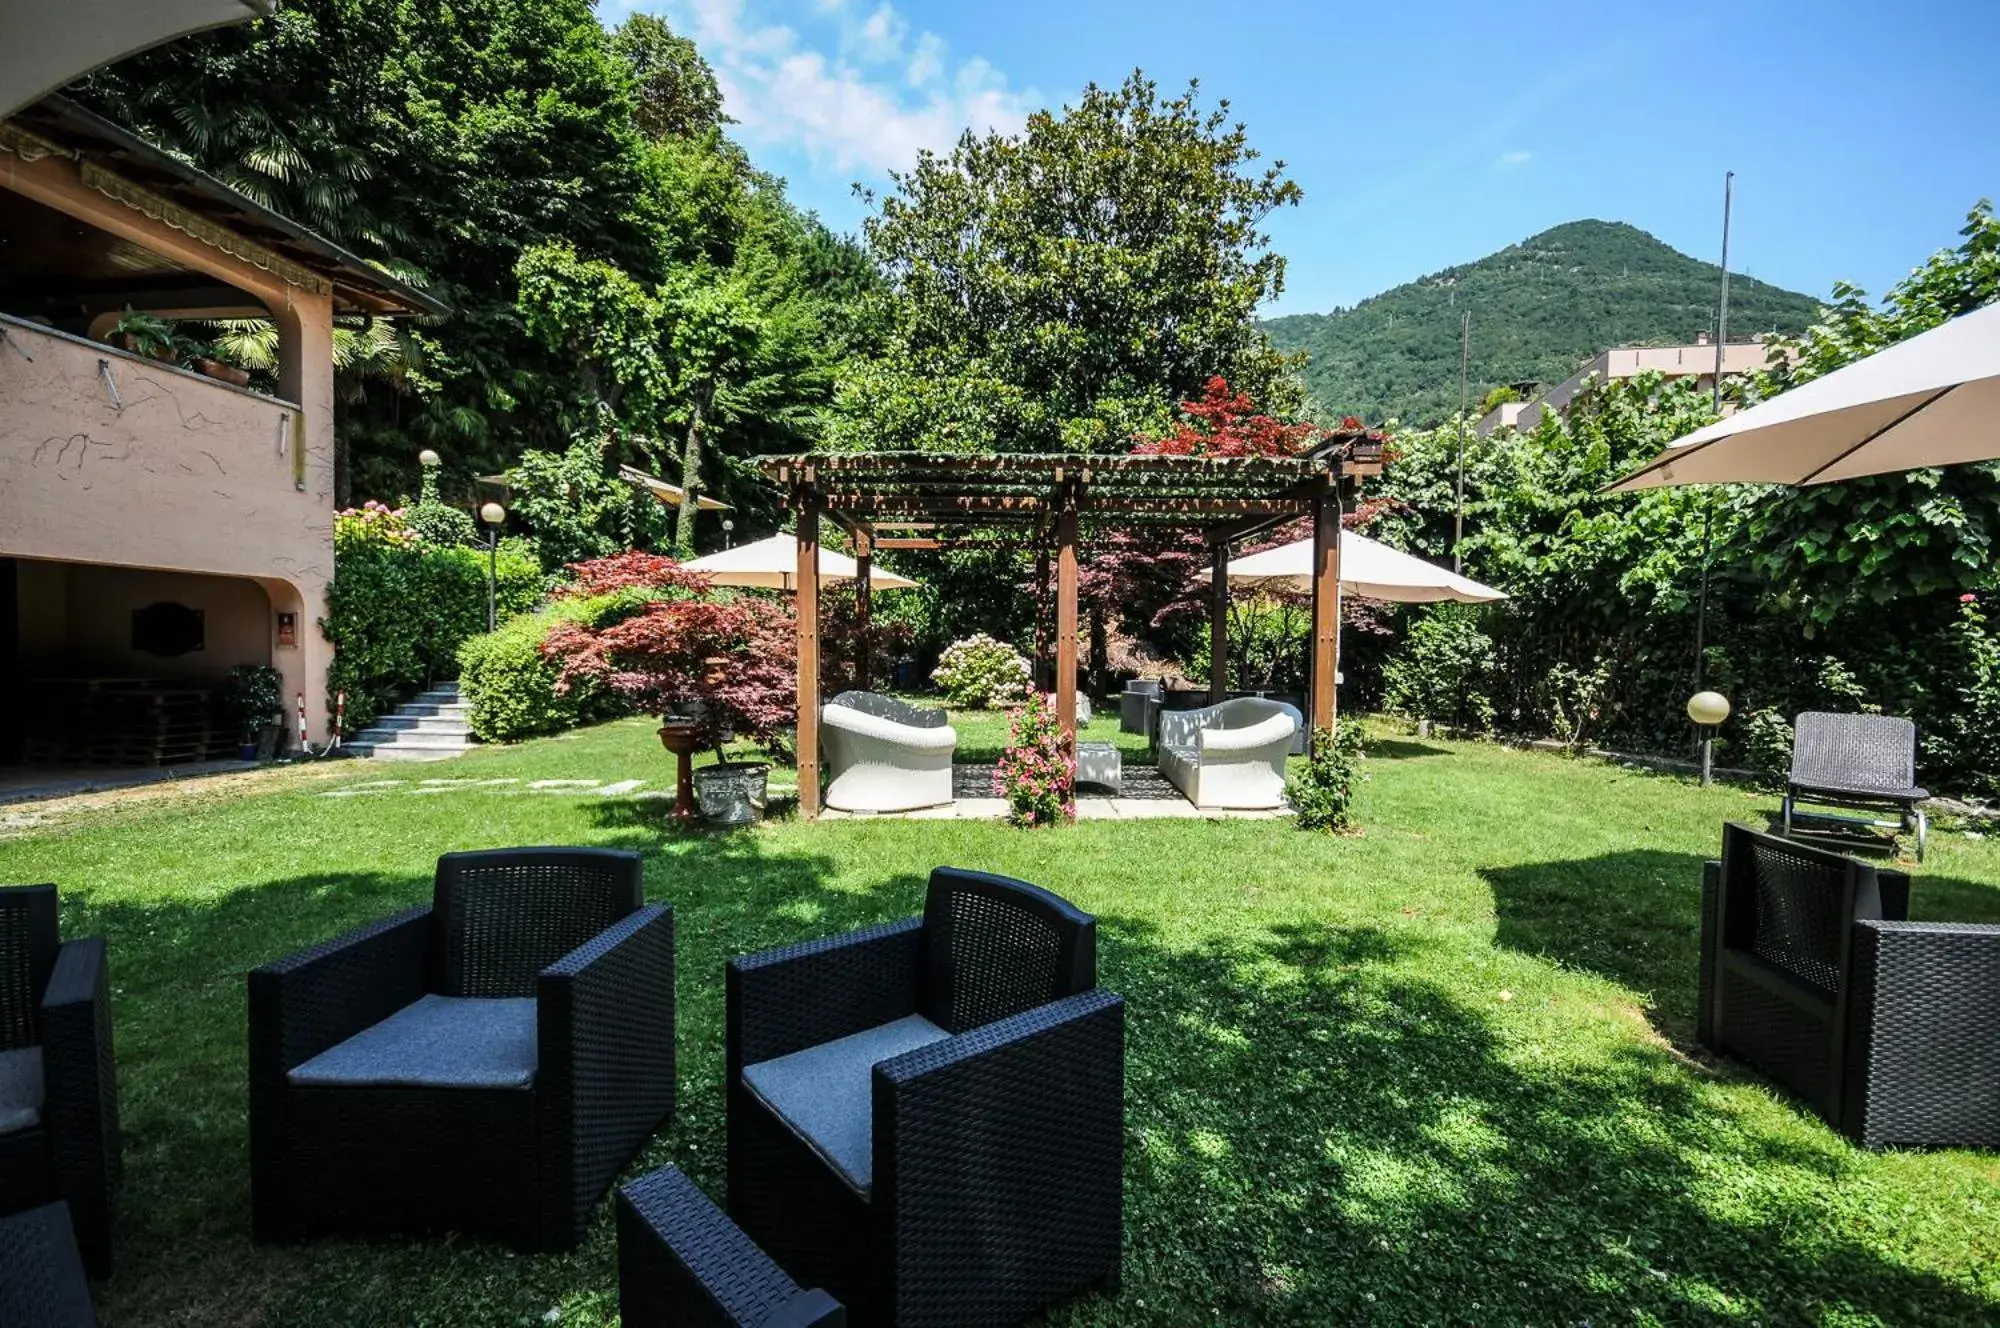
(1708, 505)
(1706, 710)
(1458, 522)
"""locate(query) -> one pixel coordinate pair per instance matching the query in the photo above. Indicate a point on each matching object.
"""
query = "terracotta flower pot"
(227, 373)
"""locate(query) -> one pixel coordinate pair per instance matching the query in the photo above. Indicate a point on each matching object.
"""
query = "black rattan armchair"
(487, 1063)
(1858, 761)
(58, 1086)
(41, 1273)
(1810, 972)
(927, 1118)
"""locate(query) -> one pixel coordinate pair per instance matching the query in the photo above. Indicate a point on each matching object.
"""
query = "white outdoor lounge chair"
(1229, 755)
(884, 755)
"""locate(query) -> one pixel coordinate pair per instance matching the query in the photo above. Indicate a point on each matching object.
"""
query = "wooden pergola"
(1054, 503)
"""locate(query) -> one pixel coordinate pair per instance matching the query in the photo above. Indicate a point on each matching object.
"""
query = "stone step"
(433, 726)
(442, 709)
(405, 722)
(393, 752)
(380, 736)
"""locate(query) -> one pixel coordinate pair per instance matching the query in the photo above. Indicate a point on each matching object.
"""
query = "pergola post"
(1218, 620)
(864, 560)
(1326, 605)
(1066, 621)
(1041, 598)
(807, 601)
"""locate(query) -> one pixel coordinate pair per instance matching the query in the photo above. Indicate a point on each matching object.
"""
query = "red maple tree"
(729, 658)
(1227, 423)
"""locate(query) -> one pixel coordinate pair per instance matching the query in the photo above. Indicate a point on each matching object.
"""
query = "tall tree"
(1062, 288)
(677, 92)
(448, 142)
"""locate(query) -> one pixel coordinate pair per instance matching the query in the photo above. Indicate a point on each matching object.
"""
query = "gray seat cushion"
(825, 1094)
(437, 1042)
(20, 1089)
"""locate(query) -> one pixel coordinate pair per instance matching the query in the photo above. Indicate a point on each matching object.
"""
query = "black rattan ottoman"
(41, 1273)
(683, 1264)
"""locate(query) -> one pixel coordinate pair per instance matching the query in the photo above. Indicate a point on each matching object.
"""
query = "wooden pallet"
(123, 721)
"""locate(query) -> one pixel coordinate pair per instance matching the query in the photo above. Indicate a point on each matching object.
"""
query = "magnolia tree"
(666, 642)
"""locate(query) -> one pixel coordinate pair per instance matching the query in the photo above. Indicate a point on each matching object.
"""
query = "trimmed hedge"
(509, 685)
(400, 607)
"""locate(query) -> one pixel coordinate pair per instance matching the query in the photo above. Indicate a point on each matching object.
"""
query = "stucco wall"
(177, 474)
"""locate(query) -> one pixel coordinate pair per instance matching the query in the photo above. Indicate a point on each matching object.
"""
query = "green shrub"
(980, 671)
(255, 697)
(1767, 741)
(1443, 671)
(400, 607)
(436, 520)
(509, 685)
(1322, 791)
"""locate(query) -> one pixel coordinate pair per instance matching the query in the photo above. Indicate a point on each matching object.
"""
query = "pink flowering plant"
(1037, 775)
(372, 523)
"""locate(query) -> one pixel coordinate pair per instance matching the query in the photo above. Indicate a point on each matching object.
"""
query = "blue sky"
(1430, 133)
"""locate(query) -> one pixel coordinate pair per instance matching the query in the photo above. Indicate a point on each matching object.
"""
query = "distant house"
(1696, 361)
(157, 526)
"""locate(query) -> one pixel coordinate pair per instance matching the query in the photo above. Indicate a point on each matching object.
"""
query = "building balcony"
(108, 457)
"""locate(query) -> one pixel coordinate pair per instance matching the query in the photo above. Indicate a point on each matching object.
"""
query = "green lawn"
(1440, 1072)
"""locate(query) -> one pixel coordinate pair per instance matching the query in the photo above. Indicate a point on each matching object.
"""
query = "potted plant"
(149, 335)
(209, 359)
(255, 698)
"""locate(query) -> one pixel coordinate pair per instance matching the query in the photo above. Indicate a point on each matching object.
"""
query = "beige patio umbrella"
(1933, 400)
(1367, 568)
(45, 44)
(670, 494)
(773, 564)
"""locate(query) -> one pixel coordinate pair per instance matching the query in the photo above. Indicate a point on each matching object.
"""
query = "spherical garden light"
(1707, 709)
(495, 516)
(429, 459)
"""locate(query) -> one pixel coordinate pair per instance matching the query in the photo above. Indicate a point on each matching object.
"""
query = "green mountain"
(1539, 308)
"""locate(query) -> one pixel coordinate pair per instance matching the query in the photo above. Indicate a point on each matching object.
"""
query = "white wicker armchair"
(1229, 755)
(885, 756)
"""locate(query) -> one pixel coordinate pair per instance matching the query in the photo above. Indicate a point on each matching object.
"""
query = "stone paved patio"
(1147, 796)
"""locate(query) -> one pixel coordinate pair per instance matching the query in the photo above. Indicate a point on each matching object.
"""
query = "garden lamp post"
(1707, 709)
(495, 516)
(728, 533)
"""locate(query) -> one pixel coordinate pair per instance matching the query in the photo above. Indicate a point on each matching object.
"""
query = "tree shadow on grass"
(1635, 917)
(179, 1007)
(1320, 1131)
(1402, 749)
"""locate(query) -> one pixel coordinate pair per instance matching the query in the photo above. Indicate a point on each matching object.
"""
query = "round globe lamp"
(1708, 709)
(428, 458)
(495, 516)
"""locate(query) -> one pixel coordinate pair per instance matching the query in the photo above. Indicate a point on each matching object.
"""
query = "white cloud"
(880, 36)
(1507, 161)
(871, 98)
(927, 61)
